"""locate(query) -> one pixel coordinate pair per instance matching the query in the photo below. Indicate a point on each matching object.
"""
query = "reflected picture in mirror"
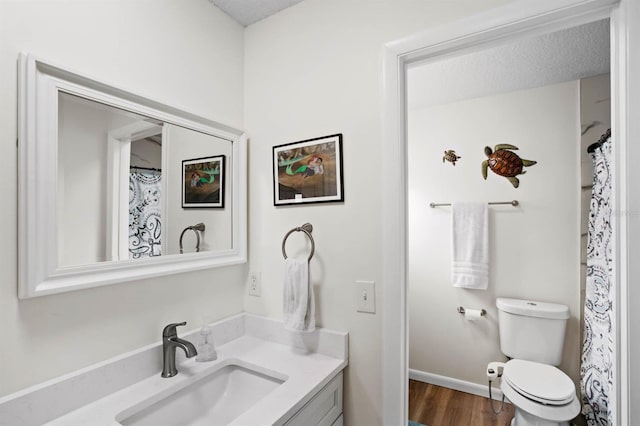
(203, 182)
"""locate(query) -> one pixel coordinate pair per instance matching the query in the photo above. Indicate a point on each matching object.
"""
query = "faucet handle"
(170, 330)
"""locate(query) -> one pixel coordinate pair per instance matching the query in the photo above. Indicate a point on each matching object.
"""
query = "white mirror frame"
(38, 271)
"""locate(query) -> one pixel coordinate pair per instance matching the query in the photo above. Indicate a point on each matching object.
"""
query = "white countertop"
(96, 395)
(306, 374)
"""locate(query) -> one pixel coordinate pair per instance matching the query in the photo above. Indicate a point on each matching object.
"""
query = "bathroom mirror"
(115, 187)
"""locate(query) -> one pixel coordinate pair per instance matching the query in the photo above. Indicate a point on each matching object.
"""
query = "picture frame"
(308, 171)
(203, 182)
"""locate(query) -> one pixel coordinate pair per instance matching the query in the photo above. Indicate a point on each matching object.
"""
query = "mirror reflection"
(122, 182)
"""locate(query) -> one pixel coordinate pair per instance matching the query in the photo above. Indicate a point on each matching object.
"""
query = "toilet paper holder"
(461, 310)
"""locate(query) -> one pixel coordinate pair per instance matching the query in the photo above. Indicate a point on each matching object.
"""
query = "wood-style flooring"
(437, 406)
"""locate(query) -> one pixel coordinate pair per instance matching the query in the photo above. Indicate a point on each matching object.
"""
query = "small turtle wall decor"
(503, 162)
(450, 156)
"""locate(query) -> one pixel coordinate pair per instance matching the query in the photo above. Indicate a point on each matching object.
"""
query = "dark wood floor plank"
(438, 406)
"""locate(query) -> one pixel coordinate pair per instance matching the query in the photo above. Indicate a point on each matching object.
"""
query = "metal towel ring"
(307, 228)
(195, 228)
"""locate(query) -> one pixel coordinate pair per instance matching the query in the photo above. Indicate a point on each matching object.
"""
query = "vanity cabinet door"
(324, 409)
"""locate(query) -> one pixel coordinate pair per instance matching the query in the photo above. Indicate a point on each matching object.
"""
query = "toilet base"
(522, 418)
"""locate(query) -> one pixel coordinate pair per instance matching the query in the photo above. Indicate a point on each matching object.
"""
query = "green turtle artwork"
(503, 162)
(450, 156)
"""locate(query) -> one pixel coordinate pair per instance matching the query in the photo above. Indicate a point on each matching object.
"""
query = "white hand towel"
(298, 302)
(470, 244)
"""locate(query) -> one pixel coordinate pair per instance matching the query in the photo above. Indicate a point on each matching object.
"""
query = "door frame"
(493, 27)
(118, 171)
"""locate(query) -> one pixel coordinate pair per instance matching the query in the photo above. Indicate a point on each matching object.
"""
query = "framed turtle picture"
(203, 182)
(308, 171)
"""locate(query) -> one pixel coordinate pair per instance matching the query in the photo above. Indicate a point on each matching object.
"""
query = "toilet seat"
(541, 383)
(550, 409)
(558, 413)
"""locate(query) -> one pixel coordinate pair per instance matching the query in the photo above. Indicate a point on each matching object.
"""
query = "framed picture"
(308, 171)
(203, 182)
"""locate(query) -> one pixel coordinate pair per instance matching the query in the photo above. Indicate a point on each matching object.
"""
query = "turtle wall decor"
(503, 162)
(450, 156)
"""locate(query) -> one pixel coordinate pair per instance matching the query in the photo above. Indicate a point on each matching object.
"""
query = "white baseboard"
(455, 384)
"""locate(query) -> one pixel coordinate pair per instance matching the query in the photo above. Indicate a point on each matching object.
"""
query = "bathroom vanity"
(264, 375)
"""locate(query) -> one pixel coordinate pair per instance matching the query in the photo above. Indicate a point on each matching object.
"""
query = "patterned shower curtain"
(596, 372)
(145, 225)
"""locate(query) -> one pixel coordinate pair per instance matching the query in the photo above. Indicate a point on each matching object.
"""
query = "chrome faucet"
(171, 341)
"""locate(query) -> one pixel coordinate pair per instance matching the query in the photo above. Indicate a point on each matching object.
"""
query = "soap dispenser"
(206, 350)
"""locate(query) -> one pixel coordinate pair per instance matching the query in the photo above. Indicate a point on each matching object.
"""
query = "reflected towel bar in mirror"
(195, 228)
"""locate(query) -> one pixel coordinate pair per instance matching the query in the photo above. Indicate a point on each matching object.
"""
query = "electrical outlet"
(366, 296)
(255, 286)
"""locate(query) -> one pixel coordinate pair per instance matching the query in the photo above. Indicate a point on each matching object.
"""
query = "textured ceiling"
(553, 58)
(246, 12)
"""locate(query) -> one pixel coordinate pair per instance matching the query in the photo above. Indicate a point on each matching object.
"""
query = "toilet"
(532, 336)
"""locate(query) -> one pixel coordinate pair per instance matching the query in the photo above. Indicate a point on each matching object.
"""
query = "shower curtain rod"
(145, 168)
(600, 141)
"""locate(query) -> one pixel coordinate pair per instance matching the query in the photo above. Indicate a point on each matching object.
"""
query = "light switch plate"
(366, 296)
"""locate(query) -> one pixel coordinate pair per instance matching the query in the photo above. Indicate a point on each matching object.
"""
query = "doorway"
(492, 29)
(526, 96)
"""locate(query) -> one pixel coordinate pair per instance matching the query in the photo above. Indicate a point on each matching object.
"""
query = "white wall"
(146, 153)
(534, 248)
(595, 119)
(81, 198)
(183, 53)
(185, 144)
(313, 70)
(82, 188)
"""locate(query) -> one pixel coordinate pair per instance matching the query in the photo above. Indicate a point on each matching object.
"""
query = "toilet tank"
(532, 330)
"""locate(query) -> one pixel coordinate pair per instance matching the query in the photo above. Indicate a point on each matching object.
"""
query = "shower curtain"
(596, 372)
(145, 225)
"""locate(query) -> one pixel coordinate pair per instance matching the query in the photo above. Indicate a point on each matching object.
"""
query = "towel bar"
(514, 203)
(307, 228)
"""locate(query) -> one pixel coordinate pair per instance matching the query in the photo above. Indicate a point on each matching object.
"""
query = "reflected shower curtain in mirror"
(596, 371)
(145, 225)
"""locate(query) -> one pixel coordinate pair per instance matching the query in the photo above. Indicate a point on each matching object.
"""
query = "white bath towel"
(298, 302)
(470, 245)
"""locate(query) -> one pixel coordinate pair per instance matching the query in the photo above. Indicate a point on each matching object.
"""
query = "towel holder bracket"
(197, 228)
(307, 229)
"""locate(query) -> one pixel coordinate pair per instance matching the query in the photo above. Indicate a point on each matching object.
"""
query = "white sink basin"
(215, 399)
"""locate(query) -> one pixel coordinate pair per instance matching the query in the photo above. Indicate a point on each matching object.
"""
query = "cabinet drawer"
(323, 409)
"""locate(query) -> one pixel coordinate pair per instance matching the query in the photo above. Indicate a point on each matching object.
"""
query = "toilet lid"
(540, 382)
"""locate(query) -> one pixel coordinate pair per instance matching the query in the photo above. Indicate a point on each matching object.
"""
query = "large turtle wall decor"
(505, 163)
